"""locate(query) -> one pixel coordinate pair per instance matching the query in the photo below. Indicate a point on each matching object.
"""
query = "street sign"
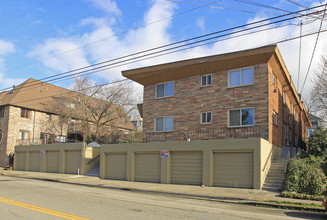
(41, 152)
(164, 154)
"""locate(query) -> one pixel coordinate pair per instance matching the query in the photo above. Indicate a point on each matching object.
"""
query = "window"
(165, 89)
(2, 111)
(275, 118)
(70, 105)
(274, 79)
(206, 118)
(24, 113)
(241, 117)
(165, 123)
(24, 135)
(48, 117)
(206, 80)
(241, 77)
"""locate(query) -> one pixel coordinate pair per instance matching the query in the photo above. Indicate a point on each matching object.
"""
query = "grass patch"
(304, 205)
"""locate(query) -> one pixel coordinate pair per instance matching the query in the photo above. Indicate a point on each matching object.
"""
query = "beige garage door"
(35, 161)
(186, 168)
(20, 160)
(233, 169)
(116, 166)
(52, 161)
(147, 167)
(73, 161)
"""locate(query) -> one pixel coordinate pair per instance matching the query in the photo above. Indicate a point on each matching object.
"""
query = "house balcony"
(36, 141)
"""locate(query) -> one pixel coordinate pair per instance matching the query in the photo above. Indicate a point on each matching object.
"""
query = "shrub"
(318, 142)
(306, 176)
(302, 196)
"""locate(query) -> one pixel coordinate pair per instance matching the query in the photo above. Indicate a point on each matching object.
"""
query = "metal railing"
(182, 135)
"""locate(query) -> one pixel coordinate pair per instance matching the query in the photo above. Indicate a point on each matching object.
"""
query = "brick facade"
(35, 124)
(190, 99)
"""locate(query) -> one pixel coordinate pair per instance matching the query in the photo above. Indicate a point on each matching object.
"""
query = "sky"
(41, 38)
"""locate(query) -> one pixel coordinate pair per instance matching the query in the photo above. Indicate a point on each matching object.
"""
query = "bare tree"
(319, 95)
(102, 108)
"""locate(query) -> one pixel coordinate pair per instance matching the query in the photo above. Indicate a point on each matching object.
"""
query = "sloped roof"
(37, 95)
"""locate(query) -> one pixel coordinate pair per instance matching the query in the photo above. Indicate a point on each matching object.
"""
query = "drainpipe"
(34, 126)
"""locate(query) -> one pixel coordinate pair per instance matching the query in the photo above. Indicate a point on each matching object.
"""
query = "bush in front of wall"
(305, 176)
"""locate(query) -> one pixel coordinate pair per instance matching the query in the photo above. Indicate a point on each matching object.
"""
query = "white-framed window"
(241, 117)
(24, 135)
(165, 89)
(206, 80)
(274, 79)
(164, 123)
(70, 105)
(206, 118)
(241, 77)
(275, 118)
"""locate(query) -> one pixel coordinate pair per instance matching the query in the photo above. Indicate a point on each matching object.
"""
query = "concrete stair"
(276, 175)
(94, 172)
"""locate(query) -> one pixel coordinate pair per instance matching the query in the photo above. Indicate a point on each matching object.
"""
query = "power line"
(86, 69)
(106, 38)
(123, 80)
(296, 3)
(314, 48)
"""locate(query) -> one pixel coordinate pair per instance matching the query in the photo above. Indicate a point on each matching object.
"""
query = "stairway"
(276, 175)
(94, 172)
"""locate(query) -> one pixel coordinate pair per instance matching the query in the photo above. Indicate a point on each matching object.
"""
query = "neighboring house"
(315, 121)
(137, 122)
(242, 94)
(29, 115)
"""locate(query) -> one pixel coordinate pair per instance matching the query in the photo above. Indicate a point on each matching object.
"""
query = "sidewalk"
(222, 194)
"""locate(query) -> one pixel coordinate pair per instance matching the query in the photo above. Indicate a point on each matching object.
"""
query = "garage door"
(233, 169)
(147, 167)
(186, 168)
(35, 161)
(73, 161)
(116, 166)
(20, 160)
(52, 161)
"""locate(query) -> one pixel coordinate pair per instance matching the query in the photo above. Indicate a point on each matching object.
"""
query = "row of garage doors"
(231, 169)
(52, 161)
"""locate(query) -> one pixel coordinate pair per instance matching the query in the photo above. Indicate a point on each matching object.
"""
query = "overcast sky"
(41, 38)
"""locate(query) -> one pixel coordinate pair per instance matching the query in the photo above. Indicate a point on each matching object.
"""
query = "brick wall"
(190, 99)
(35, 124)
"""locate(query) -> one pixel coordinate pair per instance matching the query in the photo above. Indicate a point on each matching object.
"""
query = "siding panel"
(186, 168)
(73, 161)
(34, 161)
(233, 169)
(52, 158)
(147, 167)
(20, 160)
(116, 166)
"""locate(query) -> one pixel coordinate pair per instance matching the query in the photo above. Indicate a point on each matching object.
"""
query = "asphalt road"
(34, 199)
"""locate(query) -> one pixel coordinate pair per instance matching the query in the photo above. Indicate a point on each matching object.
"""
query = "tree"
(101, 108)
(319, 94)
(318, 142)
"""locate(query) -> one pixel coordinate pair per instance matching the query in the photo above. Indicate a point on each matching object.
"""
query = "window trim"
(238, 126)
(206, 75)
(240, 69)
(274, 79)
(24, 131)
(275, 118)
(165, 96)
(25, 110)
(205, 123)
(166, 116)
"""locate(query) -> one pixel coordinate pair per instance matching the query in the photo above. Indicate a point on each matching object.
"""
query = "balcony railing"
(207, 134)
(182, 135)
